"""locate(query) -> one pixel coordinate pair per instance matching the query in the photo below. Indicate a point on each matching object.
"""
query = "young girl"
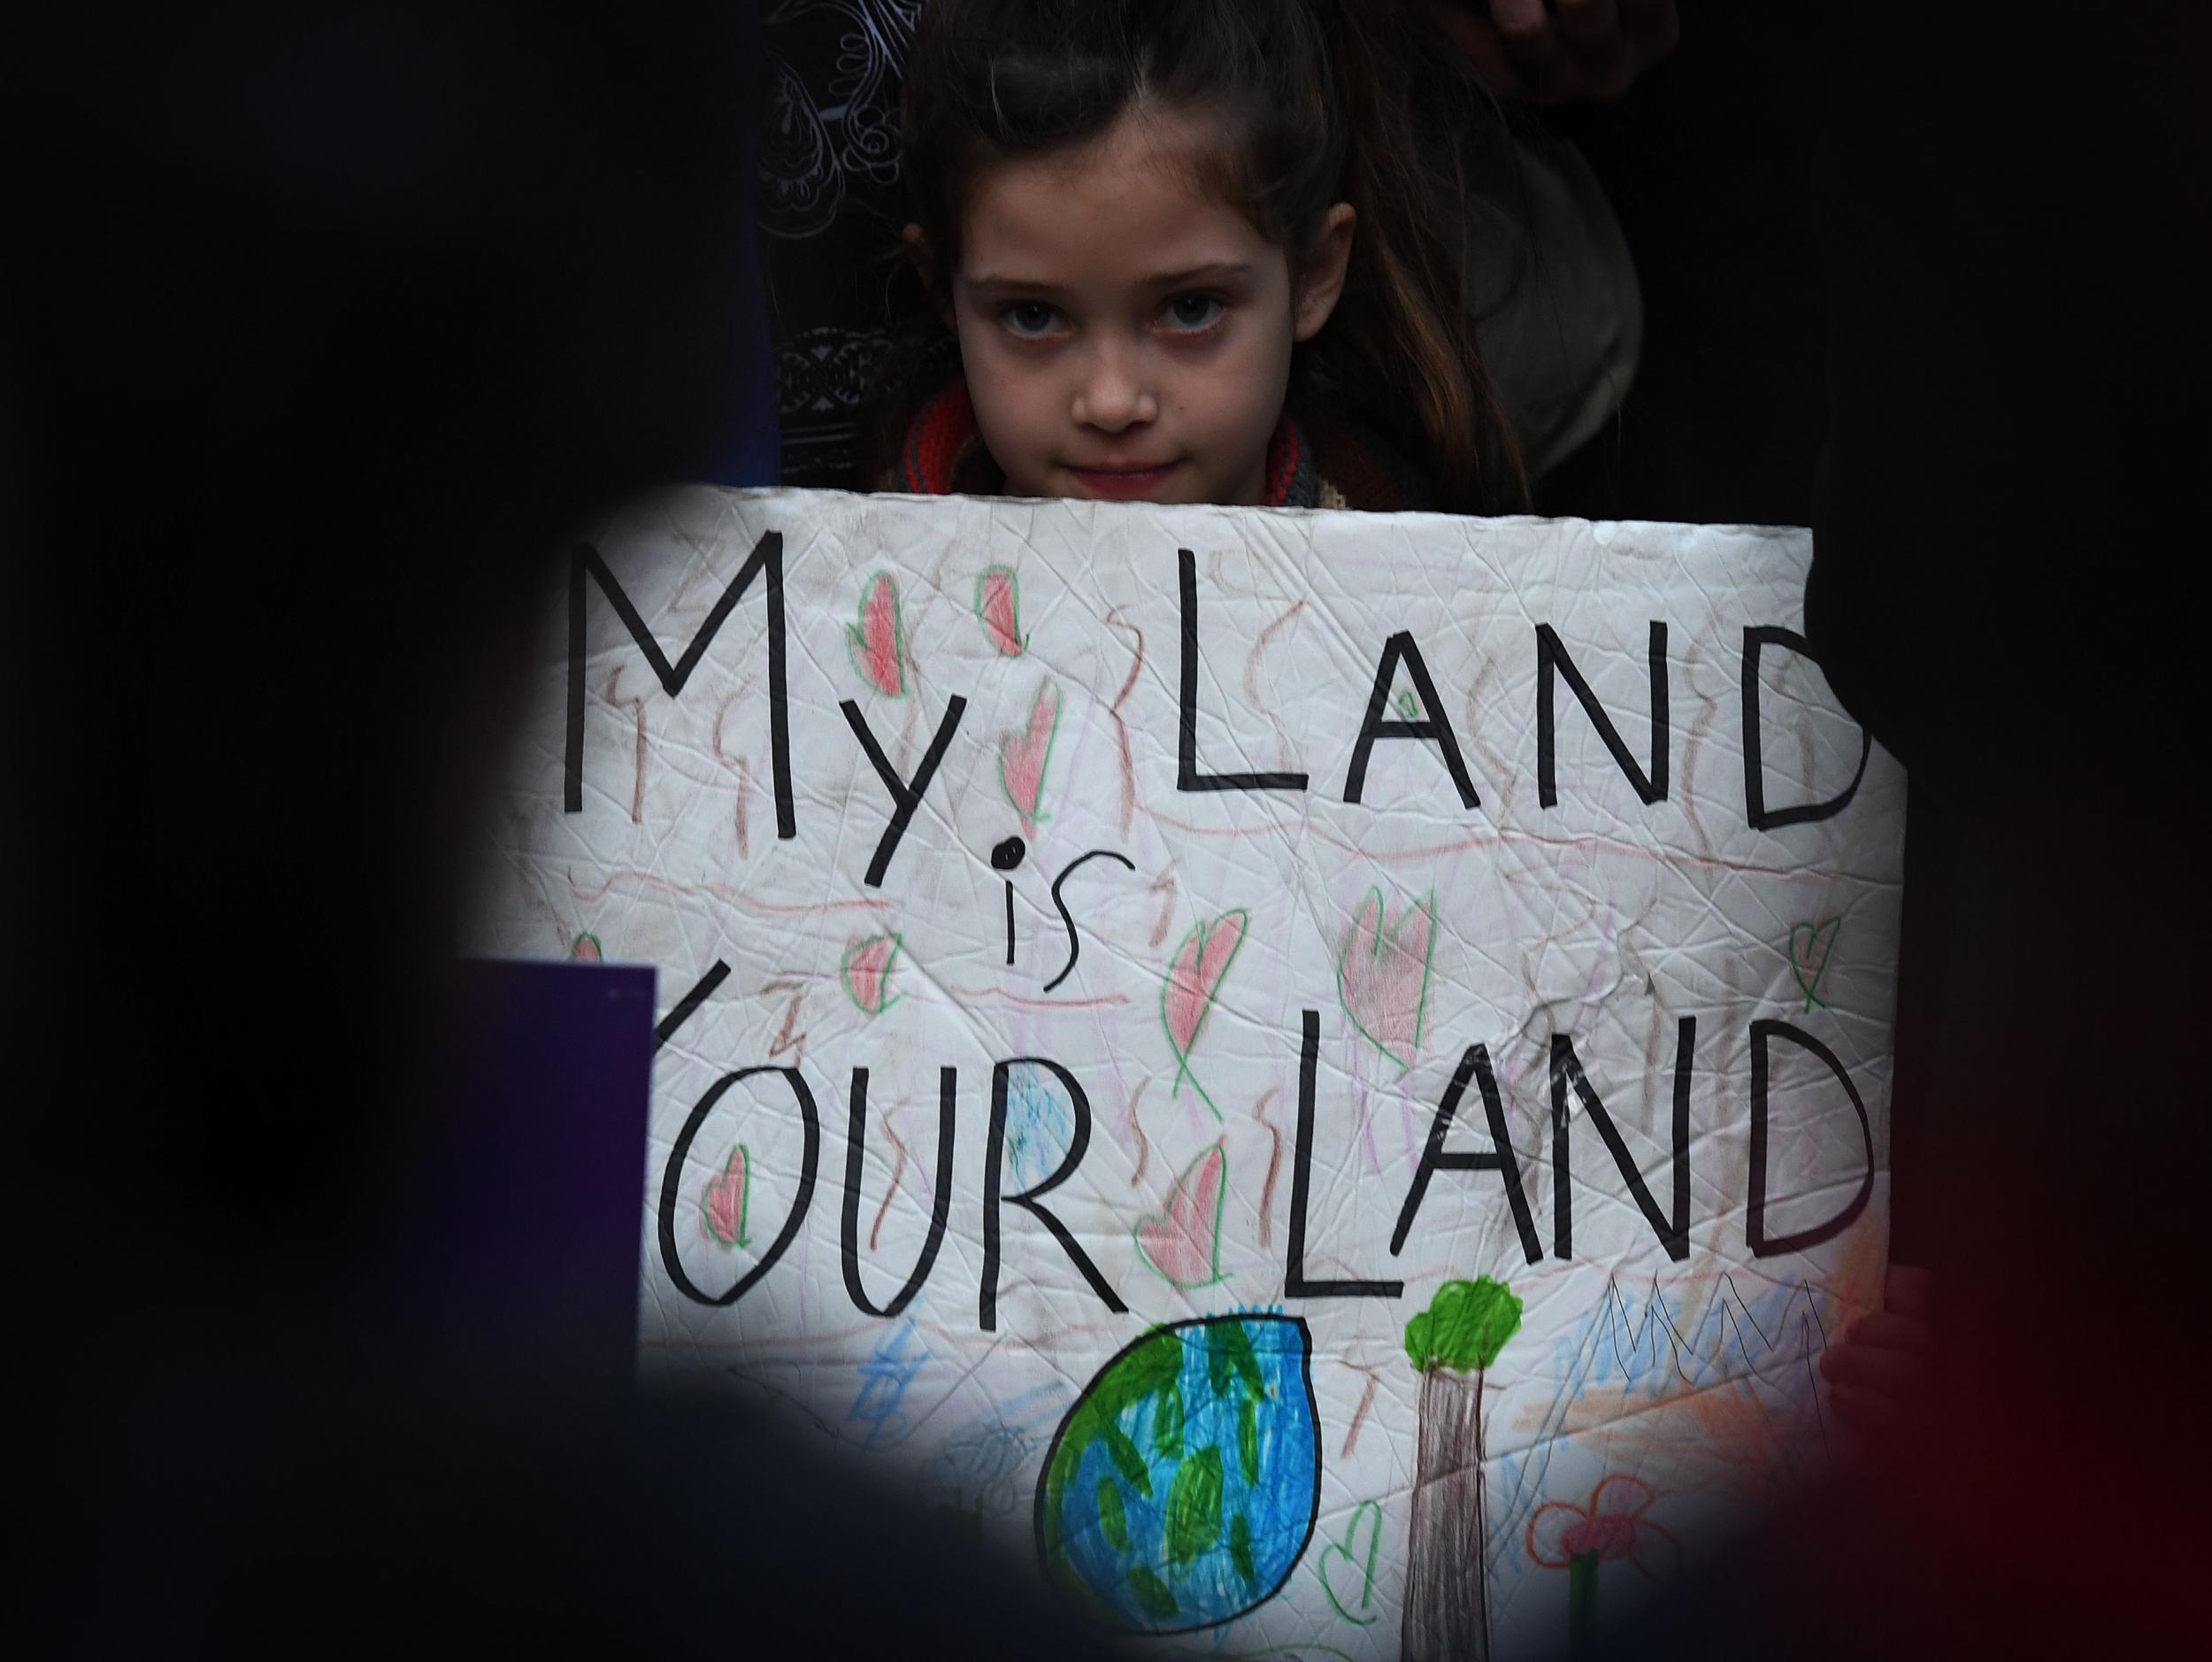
(1191, 251)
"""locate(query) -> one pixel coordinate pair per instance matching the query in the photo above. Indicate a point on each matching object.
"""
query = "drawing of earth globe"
(1182, 1488)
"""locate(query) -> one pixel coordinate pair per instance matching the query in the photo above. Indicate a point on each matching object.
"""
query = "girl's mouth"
(1123, 484)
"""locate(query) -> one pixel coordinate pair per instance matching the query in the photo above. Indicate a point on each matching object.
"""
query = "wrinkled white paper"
(1678, 948)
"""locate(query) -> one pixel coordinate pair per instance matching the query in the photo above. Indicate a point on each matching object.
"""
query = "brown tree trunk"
(1447, 1616)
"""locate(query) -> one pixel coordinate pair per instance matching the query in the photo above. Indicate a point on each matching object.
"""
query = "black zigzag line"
(1728, 1304)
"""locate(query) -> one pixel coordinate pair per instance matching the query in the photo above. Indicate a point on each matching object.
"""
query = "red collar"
(944, 454)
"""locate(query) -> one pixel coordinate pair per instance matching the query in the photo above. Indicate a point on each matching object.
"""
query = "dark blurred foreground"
(321, 326)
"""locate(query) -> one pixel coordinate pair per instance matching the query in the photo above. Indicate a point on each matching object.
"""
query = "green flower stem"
(1582, 1603)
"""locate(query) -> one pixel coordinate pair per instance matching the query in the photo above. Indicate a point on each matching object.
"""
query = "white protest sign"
(1323, 1077)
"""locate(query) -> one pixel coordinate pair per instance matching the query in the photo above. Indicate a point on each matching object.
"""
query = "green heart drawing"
(1811, 945)
(1357, 1562)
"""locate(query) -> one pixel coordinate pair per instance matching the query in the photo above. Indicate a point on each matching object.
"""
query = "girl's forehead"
(1143, 192)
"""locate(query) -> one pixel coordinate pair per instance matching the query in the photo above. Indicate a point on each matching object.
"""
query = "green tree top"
(1464, 1326)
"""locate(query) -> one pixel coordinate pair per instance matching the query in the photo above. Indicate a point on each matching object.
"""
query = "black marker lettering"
(1552, 661)
(1295, 1282)
(1005, 856)
(690, 1002)
(1672, 1229)
(1075, 941)
(1187, 777)
(767, 557)
(1031, 1200)
(1755, 782)
(941, 1204)
(1433, 724)
(1762, 1032)
(1474, 1064)
(671, 1185)
(904, 798)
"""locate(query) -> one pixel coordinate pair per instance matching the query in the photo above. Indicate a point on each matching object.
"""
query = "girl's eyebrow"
(1025, 285)
(1221, 272)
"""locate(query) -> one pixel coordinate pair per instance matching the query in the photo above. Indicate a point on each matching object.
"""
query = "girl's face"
(1125, 334)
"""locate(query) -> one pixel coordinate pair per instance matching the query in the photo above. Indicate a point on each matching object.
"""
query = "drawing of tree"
(1452, 1345)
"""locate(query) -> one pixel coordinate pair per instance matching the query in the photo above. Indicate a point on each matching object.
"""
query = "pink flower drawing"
(1611, 1529)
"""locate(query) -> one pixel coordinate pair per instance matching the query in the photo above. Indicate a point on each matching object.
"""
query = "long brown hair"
(1320, 101)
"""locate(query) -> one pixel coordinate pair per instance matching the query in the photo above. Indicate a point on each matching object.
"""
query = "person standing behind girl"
(1191, 251)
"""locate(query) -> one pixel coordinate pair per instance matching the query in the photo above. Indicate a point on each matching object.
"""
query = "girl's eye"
(1189, 313)
(1031, 320)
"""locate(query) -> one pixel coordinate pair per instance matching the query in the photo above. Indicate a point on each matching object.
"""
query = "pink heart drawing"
(877, 642)
(1384, 979)
(587, 948)
(1185, 1243)
(866, 970)
(1194, 981)
(998, 608)
(1810, 946)
(722, 1202)
(1023, 757)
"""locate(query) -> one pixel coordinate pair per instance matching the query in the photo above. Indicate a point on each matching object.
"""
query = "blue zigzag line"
(1612, 1320)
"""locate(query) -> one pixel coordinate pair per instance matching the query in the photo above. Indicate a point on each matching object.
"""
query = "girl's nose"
(1113, 394)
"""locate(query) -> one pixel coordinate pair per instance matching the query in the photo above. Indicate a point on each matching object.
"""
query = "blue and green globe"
(1182, 1488)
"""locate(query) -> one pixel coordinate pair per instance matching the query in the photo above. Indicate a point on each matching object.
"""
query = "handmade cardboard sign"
(1323, 1077)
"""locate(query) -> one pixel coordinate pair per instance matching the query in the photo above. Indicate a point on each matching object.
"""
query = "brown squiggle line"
(1121, 727)
(721, 715)
(1497, 839)
(897, 1172)
(1251, 673)
(637, 786)
(1184, 827)
(913, 714)
(1359, 1419)
(716, 891)
(533, 889)
(1491, 760)
(744, 790)
(784, 1041)
(1166, 880)
(1651, 1087)
(1274, 1164)
(1698, 728)
(1259, 645)
(744, 775)
(1144, 1148)
(980, 993)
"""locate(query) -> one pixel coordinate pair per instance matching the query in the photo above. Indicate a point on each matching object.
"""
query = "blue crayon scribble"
(1183, 1487)
(1639, 1345)
(1618, 1344)
(885, 1377)
(1521, 1481)
(1040, 1125)
(977, 1476)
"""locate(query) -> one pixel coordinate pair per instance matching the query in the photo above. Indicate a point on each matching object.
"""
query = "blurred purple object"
(519, 1241)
